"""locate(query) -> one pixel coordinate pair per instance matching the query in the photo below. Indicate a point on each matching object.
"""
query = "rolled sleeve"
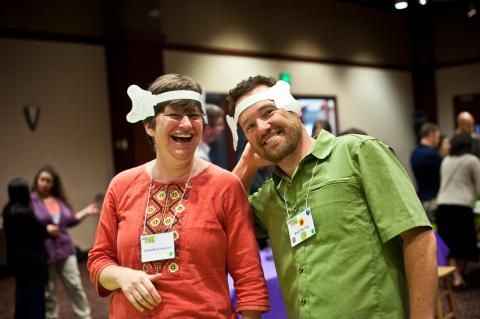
(390, 194)
(104, 251)
(243, 258)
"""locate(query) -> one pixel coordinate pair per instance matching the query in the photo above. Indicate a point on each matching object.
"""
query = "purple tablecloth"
(442, 251)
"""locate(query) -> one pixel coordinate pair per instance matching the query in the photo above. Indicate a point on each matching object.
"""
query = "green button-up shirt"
(361, 199)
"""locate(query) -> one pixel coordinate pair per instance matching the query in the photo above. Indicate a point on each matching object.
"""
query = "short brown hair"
(246, 86)
(428, 128)
(172, 82)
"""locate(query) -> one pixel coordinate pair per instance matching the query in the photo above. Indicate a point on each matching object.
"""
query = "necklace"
(308, 192)
(150, 186)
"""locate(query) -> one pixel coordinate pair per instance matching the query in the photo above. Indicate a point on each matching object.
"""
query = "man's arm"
(419, 250)
(248, 165)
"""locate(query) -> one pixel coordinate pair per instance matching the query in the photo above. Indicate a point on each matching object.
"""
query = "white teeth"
(183, 135)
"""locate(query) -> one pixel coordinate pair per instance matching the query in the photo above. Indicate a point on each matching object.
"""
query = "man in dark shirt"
(466, 125)
(425, 162)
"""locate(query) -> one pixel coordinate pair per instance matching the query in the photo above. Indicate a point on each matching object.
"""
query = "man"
(425, 162)
(466, 125)
(212, 131)
(349, 236)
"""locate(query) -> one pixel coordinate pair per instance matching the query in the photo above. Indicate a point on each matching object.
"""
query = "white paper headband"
(279, 94)
(143, 102)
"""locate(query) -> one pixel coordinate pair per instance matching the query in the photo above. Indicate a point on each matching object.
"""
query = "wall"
(454, 81)
(377, 100)
(320, 29)
(68, 82)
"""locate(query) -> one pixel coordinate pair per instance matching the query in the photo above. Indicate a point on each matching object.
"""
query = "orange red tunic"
(213, 233)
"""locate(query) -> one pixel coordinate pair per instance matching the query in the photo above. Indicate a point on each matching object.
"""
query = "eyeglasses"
(193, 117)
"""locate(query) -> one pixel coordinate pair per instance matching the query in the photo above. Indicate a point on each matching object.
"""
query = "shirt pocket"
(337, 207)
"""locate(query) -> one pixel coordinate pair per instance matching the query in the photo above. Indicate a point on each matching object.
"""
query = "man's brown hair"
(246, 86)
(428, 128)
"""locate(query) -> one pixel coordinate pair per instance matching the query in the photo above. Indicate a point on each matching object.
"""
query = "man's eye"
(250, 127)
(268, 112)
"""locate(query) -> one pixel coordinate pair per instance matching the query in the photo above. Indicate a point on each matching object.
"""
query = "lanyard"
(308, 191)
(150, 186)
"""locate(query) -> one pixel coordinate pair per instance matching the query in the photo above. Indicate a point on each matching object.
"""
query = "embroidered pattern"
(164, 213)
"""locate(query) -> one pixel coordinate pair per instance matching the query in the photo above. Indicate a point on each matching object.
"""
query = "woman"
(443, 147)
(171, 229)
(51, 206)
(26, 254)
(459, 189)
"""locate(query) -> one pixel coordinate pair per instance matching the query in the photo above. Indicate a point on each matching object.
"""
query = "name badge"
(157, 247)
(301, 227)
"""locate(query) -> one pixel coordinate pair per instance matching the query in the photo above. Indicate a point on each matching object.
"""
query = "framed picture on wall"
(319, 108)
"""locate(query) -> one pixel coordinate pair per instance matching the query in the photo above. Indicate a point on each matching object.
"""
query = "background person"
(196, 210)
(51, 206)
(212, 131)
(320, 125)
(26, 254)
(444, 146)
(425, 161)
(466, 125)
(460, 188)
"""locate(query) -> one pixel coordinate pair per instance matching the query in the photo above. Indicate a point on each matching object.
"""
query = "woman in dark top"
(26, 254)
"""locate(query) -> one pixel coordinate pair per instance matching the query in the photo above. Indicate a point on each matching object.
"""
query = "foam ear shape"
(279, 93)
(142, 104)
(282, 97)
(232, 124)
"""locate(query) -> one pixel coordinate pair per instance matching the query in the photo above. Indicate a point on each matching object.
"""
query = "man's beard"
(292, 133)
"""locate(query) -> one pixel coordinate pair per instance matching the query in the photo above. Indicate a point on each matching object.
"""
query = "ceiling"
(434, 5)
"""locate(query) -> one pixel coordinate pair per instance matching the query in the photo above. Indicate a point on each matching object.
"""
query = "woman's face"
(44, 183)
(177, 132)
(444, 148)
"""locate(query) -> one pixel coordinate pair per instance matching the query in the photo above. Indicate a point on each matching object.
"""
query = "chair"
(445, 293)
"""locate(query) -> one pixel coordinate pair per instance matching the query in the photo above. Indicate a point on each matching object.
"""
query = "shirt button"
(303, 301)
(301, 269)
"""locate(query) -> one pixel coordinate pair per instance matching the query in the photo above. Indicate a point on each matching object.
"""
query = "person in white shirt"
(212, 131)
(459, 190)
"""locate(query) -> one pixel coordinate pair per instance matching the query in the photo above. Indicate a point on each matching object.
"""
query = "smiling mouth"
(270, 136)
(182, 138)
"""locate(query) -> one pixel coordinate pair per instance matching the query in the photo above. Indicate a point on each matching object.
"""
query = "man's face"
(467, 126)
(273, 133)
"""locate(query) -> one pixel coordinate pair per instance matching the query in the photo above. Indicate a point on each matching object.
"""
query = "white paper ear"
(282, 97)
(142, 104)
(232, 124)
(279, 94)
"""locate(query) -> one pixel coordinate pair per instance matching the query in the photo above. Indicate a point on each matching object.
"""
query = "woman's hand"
(53, 230)
(91, 209)
(139, 289)
(135, 284)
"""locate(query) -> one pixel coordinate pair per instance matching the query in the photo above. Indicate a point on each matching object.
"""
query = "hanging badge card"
(301, 227)
(157, 247)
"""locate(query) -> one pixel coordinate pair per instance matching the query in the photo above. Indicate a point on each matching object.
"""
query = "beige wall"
(451, 82)
(320, 29)
(68, 82)
(379, 101)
